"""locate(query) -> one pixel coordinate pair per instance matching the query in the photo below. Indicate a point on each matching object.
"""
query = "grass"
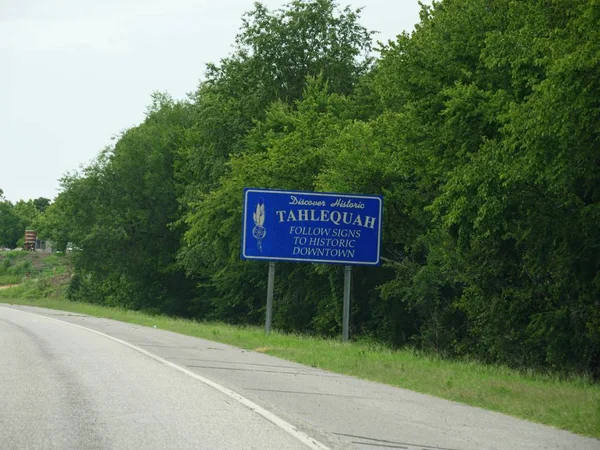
(10, 279)
(23, 264)
(39, 274)
(568, 403)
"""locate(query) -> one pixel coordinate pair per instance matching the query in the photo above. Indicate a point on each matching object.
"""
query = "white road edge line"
(277, 421)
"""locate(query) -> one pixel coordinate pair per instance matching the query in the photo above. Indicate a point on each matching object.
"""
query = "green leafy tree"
(12, 226)
(27, 211)
(41, 203)
(247, 100)
(274, 54)
(524, 210)
(285, 151)
(118, 212)
(494, 107)
(282, 48)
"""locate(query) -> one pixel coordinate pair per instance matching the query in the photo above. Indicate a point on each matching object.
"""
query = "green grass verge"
(38, 274)
(10, 279)
(18, 265)
(568, 403)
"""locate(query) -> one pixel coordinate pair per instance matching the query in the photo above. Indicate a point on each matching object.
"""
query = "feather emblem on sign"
(259, 231)
(259, 214)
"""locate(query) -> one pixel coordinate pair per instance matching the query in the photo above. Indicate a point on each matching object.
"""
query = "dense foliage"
(15, 218)
(481, 129)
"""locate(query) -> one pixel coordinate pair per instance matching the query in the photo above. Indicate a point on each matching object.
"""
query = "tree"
(496, 111)
(41, 203)
(284, 151)
(303, 39)
(524, 211)
(274, 54)
(27, 211)
(119, 213)
(246, 98)
(12, 226)
(15, 218)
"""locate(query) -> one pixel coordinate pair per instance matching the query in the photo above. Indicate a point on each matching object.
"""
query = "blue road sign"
(311, 227)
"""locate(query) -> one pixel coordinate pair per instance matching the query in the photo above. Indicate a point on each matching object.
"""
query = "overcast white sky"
(76, 72)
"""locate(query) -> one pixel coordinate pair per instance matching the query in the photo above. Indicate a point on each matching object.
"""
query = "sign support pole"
(346, 315)
(270, 287)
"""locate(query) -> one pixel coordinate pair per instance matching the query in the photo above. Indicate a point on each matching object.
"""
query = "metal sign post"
(346, 314)
(270, 287)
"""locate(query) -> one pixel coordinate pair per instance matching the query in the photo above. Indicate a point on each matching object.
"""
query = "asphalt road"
(103, 384)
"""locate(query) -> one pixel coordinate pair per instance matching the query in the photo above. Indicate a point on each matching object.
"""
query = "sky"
(76, 73)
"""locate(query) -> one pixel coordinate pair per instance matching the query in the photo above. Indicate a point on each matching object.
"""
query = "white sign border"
(317, 261)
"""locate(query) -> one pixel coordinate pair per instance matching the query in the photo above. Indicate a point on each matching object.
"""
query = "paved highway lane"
(67, 388)
(112, 396)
